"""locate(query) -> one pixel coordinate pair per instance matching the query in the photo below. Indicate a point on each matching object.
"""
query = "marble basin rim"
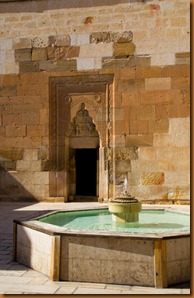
(156, 260)
(53, 229)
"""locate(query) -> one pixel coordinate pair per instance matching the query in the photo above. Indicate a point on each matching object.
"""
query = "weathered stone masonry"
(141, 51)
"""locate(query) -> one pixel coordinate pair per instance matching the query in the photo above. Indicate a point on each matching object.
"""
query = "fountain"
(114, 244)
(125, 208)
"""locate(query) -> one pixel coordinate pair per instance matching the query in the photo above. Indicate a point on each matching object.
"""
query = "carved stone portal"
(80, 117)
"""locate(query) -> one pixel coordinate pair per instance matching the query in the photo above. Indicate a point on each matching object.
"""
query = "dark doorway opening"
(86, 172)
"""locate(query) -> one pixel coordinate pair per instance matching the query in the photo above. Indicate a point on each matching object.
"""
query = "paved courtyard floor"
(19, 279)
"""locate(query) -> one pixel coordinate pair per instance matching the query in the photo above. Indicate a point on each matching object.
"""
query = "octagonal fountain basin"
(88, 246)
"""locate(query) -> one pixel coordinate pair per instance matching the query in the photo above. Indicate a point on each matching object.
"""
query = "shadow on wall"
(9, 6)
(12, 190)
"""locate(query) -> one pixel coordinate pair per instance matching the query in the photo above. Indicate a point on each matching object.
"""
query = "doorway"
(86, 172)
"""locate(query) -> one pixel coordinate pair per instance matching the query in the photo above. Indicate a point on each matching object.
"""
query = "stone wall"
(145, 45)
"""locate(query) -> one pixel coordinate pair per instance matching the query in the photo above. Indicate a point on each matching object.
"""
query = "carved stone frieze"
(82, 124)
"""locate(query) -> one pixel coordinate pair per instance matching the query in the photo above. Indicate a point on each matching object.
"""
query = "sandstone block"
(130, 113)
(100, 37)
(126, 153)
(179, 111)
(9, 119)
(148, 72)
(173, 177)
(131, 98)
(115, 63)
(182, 61)
(162, 59)
(26, 107)
(119, 114)
(156, 97)
(139, 126)
(148, 193)
(162, 140)
(121, 37)
(80, 39)
(162, 111)
(119, 141)
(123, 166)
(139, 140)
(39, 54)
(96, 50)
(8, 166)
(35, 130)
(175, 71)
(145, 166)
(182, 55)
(60, 65)
(30, 154)
(11, 79)
(157, 83)
(118, 99)
(127, 85)
(51, 53)
(43, 116)
(88, 63)
(148, 153)
(152, 178)
(6, 44)
(11, 67)
(123, 49)
(22, 43)
(46, 165)
(146, 112)
(28, 66)
(58, 53)
(62, 40)
(2, 132)
(13, 154)
(23, 55)
(141, 61)
(181, 140)
(133, 179)
(31, 118)
(160, 125)
(16, 130)
(180, 125)
(121, 127)
(127, 73)
(28, 166)
(9, 90)
(31, 78)
(178, 21)
(180, 83)
(40, 42)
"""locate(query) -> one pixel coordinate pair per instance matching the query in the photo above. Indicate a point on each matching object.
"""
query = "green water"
(150, 221)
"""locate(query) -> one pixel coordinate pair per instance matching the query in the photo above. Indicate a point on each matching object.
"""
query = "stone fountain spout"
(125, 209)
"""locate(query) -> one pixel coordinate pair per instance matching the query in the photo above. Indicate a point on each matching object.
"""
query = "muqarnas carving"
(82, 124)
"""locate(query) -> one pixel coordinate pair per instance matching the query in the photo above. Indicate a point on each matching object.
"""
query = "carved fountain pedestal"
(125, 209)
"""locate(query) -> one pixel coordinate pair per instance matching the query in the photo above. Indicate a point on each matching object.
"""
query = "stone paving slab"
(19, 279)
(66, 290)
(14, 280)
(94, 291)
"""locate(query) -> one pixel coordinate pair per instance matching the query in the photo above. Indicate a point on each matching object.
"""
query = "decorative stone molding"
(82, 125)
(79, 107)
